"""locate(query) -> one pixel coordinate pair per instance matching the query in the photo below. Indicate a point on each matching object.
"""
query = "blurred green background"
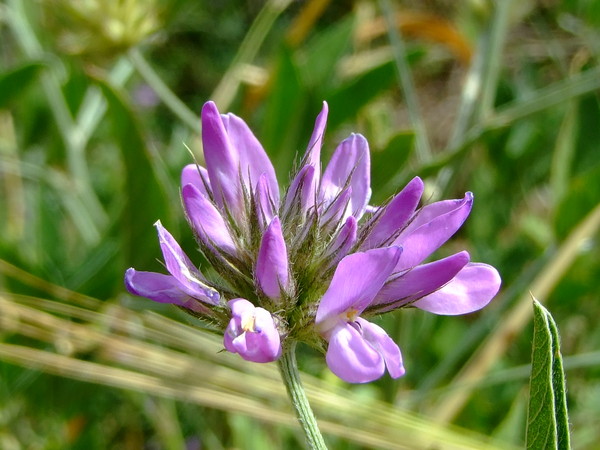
(99, 105)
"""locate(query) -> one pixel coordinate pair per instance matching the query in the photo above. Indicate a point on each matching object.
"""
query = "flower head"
(313, 262)
(252, 332)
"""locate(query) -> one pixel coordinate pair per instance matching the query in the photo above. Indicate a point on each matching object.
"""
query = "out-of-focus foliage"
(98, 107)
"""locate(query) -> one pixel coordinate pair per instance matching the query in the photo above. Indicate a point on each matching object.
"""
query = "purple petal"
(196, 175)
(431, 227)
(355, 283)
(242, 313)
(385, 346)
(419, 282)
(265, 338)
(222, 160)
(470, 290)
(352, 358)
(338, 209)
(183, 270)
(301, 190)
(272, 264)
(155, 286)
(264, 203)
(161, 288)
(206, 220)
(313, 151)
(395, 215)
(240, 307)
(254, 161)
(252, 333)
(344, 241)
(349, 166)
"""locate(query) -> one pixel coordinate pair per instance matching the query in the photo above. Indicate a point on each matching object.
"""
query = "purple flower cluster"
(313, 264)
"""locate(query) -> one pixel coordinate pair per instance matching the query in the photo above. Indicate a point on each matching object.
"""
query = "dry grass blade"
(159, 356)
(498, 341)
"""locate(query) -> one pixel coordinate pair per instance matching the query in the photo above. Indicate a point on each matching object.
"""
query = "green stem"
(185, 114)
(407, 85)
(225, 92)
(291, 378)
(23, 30)
(493, 60)
(94, 105)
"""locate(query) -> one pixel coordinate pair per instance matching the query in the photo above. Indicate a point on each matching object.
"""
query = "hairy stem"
(291, 379)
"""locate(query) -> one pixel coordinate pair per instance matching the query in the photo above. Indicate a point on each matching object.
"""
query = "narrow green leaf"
(147, 196)
(545, 98)
(283, 112)
(14, 82)
(346, 101)
(387, 164)
(560, 391)
(406, 84)
(583, 195)
(564, 151)
(324, 52)
(548, 424)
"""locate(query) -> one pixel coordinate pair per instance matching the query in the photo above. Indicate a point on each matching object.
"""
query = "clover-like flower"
(252, 332)
(312, 262)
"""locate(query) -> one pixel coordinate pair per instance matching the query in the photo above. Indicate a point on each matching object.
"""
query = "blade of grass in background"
(22, 29)
(513, 322)
(130, 358)
(225, 92)
(531, 160)
(423, 149)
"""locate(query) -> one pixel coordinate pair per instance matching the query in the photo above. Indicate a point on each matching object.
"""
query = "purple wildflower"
(272, 263)
(314, 265)
(185, 287)
(252, 332)
(359, 351)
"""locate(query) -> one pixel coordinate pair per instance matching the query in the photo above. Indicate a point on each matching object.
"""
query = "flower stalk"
(291, 378)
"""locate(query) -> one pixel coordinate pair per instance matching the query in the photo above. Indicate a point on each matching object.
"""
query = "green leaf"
(548, 422)
(387, 164)
(147, 193)
(14, 82)
(583, 195)
(283, 112)
(324, 52)
(348, 99)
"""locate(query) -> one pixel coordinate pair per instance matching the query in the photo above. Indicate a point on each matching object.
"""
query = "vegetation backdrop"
(99, 106)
